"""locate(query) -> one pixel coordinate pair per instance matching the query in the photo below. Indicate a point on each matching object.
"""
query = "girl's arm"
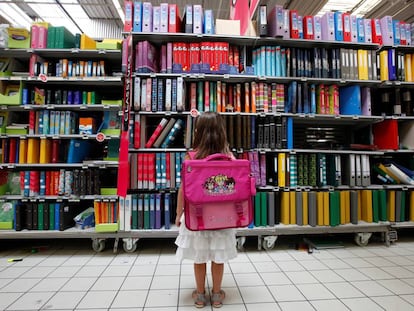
(180, 207)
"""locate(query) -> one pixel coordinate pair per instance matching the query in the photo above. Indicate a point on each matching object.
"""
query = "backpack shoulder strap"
(192, 154)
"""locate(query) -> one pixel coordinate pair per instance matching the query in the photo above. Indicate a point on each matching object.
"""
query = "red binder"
(293, 23)
(308, 31)
(386, 134)
(376, 31)
(346, 20)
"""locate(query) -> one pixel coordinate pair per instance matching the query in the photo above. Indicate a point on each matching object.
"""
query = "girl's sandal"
(217, 298)
(200, 300)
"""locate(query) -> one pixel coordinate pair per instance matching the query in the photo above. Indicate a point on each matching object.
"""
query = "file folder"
(361, 30)
(396, 31)
(137, 24)
(147, 17)
(387, 30)
(376, 31)
(284, 208)
(317, 28)
(368, 30)
(276, 23)
(164, 17)
(129, 10)
(339, 29)
(293, 23)
(346, 18)
(197, 19)
(328, 26)
(174, 21)
(308, 27)
(262, 21)
(354, 28)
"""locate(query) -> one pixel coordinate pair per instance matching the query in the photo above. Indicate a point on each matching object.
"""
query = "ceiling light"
(356, 7)
(15, 16)
(119, 10)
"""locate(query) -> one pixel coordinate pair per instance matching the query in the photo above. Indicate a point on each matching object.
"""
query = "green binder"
(40, 208)
(334, 208)
(257, 208)
(263, 208)
(375, 205)
(382, 205)
(134, 212)
(146, 211)
(52, 216)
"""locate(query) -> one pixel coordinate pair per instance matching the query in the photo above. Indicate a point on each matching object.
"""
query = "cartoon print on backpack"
(219, 185)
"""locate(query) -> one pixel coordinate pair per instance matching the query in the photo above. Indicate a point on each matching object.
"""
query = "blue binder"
(350, 99)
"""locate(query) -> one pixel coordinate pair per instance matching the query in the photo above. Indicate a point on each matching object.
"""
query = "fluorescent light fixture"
(356, 7)
(15, 16)
(50, 11)
(119, 10)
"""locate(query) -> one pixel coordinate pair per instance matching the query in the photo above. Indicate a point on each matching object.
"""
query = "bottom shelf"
(280, 229)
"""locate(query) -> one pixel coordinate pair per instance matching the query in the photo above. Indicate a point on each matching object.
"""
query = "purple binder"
(328, 26)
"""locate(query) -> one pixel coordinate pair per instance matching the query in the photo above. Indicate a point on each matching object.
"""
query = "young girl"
(217, 246)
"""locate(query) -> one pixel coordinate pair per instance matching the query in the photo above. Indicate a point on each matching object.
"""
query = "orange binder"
(33, 150)
(292, 207)
(285, 208)
(391, 205)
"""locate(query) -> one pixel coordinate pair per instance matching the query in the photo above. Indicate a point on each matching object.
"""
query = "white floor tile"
(64, 300)
(313, 265)
(31, 301)
(255, 294)
(77, 260)
(408, 298)
(262, 306)
(81, 284)
(329, 305)
(162, 298)
(335, 263)
(53, 261)
(376, 273)
(301, 277)
(97, 299)
(275, 278)
(315, 291)
(344, 290)
(399, 272)
(258, 256)
(326, 276)
(398, 287)
(164, 282)
(232, 296)
(130, 299)
(20, 285)
(266, 266)
(244, 267)
(351, 274)
(142, 269)
(187, 281)
(358, 263)
(65, 271)
(15, 272)
(108, 283)
(248, 279)
(136, 283)
(380, 261)
(4, 282)
(291, 265)
(286, 293)
(50, 285)
(392, 303)
(361, 304)
(7, 299)
(165, 269)
(278, 255)
(294, 306)
(116, 271)
(400, 260)
(371, 288)
(90, 271)
(124, 259)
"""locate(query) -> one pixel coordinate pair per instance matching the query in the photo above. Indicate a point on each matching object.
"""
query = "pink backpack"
(217, 192)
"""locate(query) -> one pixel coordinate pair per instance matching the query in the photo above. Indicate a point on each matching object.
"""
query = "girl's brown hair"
(210, 135)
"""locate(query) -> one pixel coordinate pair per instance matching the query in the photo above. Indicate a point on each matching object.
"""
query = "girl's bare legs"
(200, 276)
(217, 270)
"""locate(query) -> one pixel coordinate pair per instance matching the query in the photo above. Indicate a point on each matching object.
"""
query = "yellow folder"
(87, 43)
(281, 169)
(23, 151)
(366, 206)
(325, 195)
(408, 67)
(284, 211)
(391, 205)
(362, 64)
(384, 65)
(45, 150)
(344, 206)
(32, 150)
(319, 208)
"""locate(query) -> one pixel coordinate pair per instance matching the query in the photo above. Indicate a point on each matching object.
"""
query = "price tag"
(43, 77)
(100, 137)
(194, 113)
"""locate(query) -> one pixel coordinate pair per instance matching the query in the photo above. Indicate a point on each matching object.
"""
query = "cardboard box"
(19, 38)
(227, 27)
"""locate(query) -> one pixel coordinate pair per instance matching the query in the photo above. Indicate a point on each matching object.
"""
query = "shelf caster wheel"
(240, 243)
(98, 245)
(269, 242)
(362, 239)
(130, 245)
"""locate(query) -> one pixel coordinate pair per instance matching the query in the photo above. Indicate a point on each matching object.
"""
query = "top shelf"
(160, 38)
(62, 53)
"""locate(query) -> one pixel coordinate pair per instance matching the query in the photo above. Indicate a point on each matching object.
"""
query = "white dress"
(204, 246)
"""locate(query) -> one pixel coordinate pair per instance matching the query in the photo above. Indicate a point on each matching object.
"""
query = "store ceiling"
(100, 18)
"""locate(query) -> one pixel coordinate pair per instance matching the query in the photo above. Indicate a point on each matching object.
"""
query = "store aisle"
(69, 275)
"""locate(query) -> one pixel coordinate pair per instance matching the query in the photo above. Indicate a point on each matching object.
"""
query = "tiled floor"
(69, 275)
